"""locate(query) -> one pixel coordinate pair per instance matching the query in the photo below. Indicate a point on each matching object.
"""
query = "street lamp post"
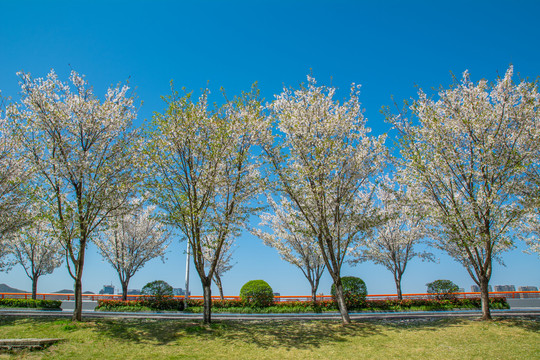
(186, 294)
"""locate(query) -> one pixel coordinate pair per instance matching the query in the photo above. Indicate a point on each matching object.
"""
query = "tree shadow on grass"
(529, 323)
(38, 322)
(297, 334)
(13, 320)
(136, 330)
(418, 323)
(288, 334)
(264, 334)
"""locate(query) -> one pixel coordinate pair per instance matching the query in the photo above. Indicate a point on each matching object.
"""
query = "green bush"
(238, 306)
(257, 293)
(30, 303)
(354, 290)
(158, 289)
(163, 303)
(442, 289)
(434, 304)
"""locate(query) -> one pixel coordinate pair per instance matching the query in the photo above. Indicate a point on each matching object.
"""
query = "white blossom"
(324, 160)
(133, 239)
(204, 173)
(465, 161)
(36, 249)
(82, 152)
(14, 172)
(224, 262)
(392, 241)
(530, 231)
(295, 242)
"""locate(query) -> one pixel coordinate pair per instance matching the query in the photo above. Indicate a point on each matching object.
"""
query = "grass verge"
(316, 339)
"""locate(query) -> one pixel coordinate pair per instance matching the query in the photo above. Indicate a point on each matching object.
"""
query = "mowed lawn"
(316, 339)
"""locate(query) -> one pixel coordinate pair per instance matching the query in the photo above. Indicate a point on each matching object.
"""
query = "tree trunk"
(77, 313)
(124, 289)
(340, 298)
(397, 279)
(486, 314)
(217, 280)
(207, 308)
(313, 294)
(34, 287)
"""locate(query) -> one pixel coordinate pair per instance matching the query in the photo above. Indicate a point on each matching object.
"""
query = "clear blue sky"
(387, 46)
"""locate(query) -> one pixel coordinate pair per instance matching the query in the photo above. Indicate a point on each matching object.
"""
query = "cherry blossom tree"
(131, 240)
(294, 240)
(223, 264)
(324, 159)
(530, 231)
(464, 160)
(391, 243)
(14, 172)
(84, 157)
(205, 174)
(5, 265)
(529, 193)
(37, 250)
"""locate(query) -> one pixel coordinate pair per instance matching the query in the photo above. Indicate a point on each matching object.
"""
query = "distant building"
(505, 288)
(528, 288)
(476, 288)
(179, 292)
(134, 292)
(107, 290)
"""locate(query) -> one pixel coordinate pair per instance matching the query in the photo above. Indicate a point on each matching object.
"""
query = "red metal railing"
(93, 297)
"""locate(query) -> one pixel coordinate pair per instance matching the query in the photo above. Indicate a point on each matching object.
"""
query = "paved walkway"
(529, 312)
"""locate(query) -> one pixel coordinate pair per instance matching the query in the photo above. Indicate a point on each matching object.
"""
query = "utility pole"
(186, 294)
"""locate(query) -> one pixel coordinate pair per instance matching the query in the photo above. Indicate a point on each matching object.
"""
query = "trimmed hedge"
(442, 289)
(31, 303)
(436, 304)
(158, 289)
(354, 291)
(257, 293)
(239, 306)
(360, 305)
(163, 303)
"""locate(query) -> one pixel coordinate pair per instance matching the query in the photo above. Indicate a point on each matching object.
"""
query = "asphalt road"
(525, 312)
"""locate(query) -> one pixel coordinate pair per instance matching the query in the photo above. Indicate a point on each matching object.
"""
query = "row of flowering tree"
(469, 162)
(467, 178)
(204, 174)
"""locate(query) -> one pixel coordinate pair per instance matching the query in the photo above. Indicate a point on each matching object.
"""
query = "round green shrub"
(257, 293)
(442, 289)
(354, 291)
(158, 289)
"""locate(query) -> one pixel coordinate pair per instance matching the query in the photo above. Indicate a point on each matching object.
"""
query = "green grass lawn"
(290, 339)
